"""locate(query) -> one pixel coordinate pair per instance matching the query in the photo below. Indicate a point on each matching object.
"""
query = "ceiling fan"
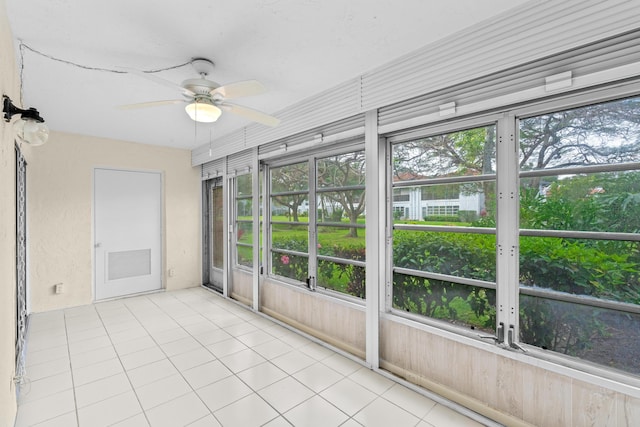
(207, 99)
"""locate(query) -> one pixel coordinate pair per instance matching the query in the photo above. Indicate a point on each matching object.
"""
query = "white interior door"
(127, 221)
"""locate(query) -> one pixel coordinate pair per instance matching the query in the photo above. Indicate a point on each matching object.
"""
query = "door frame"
(207, 267)
(163, 281)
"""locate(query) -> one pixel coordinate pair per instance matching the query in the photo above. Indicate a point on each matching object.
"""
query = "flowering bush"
(287, 265)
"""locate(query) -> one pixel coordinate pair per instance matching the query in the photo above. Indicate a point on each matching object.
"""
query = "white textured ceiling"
(296, 48)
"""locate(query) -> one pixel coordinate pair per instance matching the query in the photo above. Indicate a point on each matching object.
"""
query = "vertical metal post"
(374, 235)
(266, 221)
(507, 224)
(226, 214)
(312, 227)
(255, 205)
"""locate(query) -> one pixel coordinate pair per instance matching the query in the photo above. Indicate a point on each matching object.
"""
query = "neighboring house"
(412, 206)
(416, 203)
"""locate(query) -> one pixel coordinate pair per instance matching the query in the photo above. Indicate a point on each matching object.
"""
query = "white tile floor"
(192, 358)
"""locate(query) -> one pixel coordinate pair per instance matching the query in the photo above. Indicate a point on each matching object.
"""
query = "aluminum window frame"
(597, 96)
(233, 185)
(509, 293)
(347, 146)
(437, 129)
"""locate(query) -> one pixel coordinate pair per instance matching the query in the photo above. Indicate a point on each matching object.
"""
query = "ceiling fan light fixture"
(203, 112)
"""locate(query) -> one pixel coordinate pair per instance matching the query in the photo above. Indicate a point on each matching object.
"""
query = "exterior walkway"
(193, 358)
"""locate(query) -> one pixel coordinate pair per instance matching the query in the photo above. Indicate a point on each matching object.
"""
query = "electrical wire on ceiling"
(23, 46)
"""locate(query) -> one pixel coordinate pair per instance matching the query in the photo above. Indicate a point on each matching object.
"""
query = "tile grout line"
(173, 311)
(169, 359)
(288, 375)
(232, 372)
(123, 368)
(73, 383)
(235, 374)
(416, 389)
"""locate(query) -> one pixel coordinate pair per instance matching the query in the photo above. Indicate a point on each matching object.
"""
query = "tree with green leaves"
(345, 175)
(292, 179)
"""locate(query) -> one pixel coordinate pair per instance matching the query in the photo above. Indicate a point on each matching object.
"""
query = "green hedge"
(573, 266)
(599, 269)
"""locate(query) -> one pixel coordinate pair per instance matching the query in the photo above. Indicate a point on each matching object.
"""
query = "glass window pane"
(345, 278)
(341, 199)
(464, 153)
(607, 201)
(604, 269)
(596, 134)
(292, 266)
(244, 209)
(599, 335)
(290, 204)
(245, 255)
(469, 204)
(244, 185)
(341, 206)
(294, 237)
(290, 208)
(459, 304)
(290, 178)
(455, 156)
(244, 232)
(217, 227)
(244, 220)
(564, 269)
(341, 242)
(471, 256)
(341, 171)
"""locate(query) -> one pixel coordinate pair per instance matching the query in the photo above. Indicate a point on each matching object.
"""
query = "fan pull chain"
(195, 126)
(210, 139)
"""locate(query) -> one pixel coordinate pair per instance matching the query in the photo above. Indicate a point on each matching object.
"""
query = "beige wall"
(9, 85)
(339, 323)
(514, 390)
(60, 198)
(242, 286)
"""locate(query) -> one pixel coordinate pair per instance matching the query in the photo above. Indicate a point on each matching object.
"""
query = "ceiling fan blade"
(159, 80)
(251, 114)
(240, 89)
(150, 104)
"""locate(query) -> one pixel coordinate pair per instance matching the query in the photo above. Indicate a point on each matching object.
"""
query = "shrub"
(565, 265)
(467, 216)
(336, 215)
(340, 277)
(442, 218)
(291, 266)
(345, 278)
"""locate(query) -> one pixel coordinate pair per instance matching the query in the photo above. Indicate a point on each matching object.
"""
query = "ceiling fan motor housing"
(200, 86)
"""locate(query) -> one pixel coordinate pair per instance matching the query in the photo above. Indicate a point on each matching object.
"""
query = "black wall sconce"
(31, 128)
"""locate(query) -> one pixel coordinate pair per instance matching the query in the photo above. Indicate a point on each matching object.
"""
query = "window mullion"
(267, 220)
(507, 231)
(255, 230)
(313, 226)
